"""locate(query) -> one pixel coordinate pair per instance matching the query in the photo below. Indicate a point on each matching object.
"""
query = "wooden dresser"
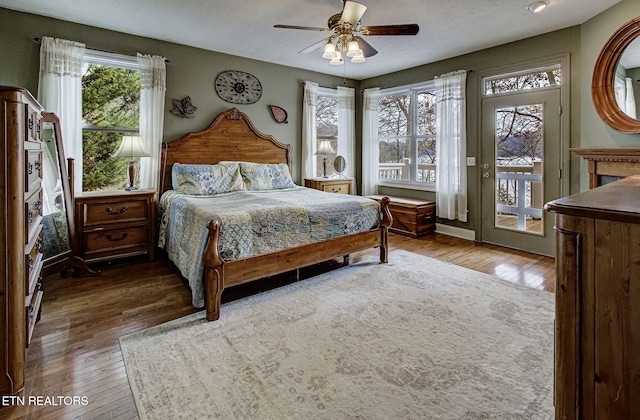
(115, 224)
(21, 211)
(333, 185)
(597, 325)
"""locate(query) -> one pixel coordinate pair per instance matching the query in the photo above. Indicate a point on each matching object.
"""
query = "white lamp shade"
(130, 147)
(329, 50)
(324, 148)
(353, 49)
(358, 59)
(337, 60)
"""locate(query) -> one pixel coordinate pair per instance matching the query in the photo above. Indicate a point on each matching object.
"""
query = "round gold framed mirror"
(604, 75)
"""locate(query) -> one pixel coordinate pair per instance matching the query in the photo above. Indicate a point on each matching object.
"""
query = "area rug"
(412, 339)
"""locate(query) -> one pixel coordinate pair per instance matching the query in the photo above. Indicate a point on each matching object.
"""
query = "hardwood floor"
(75, 351)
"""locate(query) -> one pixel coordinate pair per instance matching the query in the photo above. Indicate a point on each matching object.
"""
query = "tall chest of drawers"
(21, 219)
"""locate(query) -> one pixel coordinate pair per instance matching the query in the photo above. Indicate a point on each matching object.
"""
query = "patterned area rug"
(413, 339)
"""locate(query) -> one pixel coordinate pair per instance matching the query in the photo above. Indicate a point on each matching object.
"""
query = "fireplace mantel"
(609, 164)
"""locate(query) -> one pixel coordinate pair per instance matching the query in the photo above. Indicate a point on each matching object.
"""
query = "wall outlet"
(471, 161)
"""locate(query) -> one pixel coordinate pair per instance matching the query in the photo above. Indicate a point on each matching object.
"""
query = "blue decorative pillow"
(206, 179)
(266, 176)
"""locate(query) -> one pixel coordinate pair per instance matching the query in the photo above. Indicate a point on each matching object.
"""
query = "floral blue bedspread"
(254, 223)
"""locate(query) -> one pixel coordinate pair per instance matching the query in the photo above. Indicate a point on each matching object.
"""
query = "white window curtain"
(60, 92)
(451, 146)
(308, 158)
(347, 129)
(630, 100)
(370, 148)
(152, 96)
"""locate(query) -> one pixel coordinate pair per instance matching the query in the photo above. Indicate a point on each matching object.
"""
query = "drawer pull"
(334, 189)
(112, 239)
(38, 127)
(122, 210)
(37, 165)
(30, 122)
(38, 205)
(30, 168)
(30, 217)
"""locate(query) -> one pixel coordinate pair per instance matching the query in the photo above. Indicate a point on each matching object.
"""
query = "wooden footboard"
(220, 274)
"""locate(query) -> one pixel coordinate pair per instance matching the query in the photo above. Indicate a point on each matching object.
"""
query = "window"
(326, 125)
(542, 77)
(110, 110)
(407, 136)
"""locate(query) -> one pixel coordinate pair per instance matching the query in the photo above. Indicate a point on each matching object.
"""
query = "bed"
(230, 140)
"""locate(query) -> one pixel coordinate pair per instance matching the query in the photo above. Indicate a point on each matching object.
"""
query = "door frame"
(565, 124)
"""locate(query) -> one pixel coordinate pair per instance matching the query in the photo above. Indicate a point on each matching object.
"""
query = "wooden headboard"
(231, 136)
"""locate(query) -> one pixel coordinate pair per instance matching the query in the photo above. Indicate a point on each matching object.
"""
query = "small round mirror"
(339, 164)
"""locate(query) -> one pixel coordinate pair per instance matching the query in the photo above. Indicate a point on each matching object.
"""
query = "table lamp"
(324, 149)
(131, 147)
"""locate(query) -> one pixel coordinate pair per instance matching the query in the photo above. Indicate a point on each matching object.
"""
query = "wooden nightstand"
(334, 185)
(115, 224)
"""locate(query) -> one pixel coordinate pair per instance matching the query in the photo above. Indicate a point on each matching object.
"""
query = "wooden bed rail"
(220, 274)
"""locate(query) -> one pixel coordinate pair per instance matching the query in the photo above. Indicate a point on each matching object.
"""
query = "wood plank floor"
(75, 351)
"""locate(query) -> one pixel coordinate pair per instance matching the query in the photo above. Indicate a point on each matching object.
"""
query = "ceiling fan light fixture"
(329, 50)
(358, 59)
(537, 6)
(337, 60)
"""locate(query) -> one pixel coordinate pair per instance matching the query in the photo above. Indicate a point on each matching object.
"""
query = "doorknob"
(486, 166)
(485, 175)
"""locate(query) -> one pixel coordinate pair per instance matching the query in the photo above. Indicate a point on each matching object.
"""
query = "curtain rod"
(39, 40)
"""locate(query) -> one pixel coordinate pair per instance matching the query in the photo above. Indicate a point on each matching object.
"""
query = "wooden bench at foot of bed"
(220, 274)
(411, 217)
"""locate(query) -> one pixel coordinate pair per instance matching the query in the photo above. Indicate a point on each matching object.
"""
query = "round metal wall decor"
(238, 87)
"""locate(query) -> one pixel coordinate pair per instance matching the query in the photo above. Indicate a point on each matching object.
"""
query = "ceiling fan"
(345, 28)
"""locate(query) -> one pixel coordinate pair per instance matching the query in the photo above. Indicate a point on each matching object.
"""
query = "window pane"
(326, 129)
(394, 117)
(519, 166)
(110, 99)
(426, 170)
(395, 159)
(532, 79)
(100, 170)
(426, 113)
(110, 96)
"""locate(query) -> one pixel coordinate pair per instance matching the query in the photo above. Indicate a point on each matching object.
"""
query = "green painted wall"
(191, 72)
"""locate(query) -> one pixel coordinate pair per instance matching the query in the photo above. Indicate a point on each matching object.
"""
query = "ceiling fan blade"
(314, 46)
(367, 49)
(304, 28)
(352, 12)
(408, 29)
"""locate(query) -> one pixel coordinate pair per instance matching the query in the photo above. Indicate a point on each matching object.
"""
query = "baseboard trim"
(456, 231)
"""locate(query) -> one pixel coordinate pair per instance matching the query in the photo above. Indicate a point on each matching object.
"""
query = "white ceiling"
(245, 27)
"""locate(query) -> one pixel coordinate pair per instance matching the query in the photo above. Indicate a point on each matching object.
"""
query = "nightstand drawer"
(110, 242)
(101, 213)
(343, 188)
